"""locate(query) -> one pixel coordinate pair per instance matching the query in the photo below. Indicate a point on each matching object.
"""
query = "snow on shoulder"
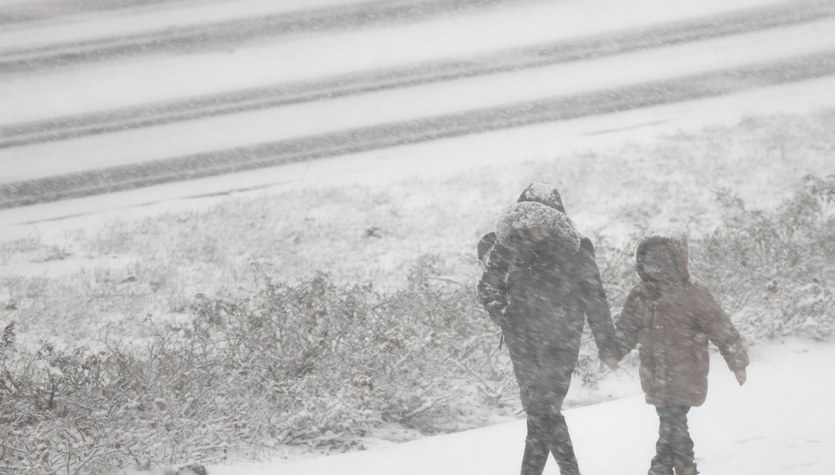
(529, 214)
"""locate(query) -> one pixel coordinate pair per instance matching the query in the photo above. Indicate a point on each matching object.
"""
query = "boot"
(686, 470)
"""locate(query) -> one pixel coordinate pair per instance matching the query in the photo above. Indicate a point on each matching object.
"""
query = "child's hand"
(612, 363)
(741, 376)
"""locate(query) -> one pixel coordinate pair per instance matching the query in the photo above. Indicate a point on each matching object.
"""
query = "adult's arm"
(628, 324)
(594, 302)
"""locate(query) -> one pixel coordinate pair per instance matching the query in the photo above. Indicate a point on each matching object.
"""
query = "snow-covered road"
(227, 33)
(780, 44)
(629, 41)
(392, 134)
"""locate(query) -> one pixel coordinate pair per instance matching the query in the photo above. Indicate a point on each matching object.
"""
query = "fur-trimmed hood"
(517, 218)
(544, 194)
(675, 241)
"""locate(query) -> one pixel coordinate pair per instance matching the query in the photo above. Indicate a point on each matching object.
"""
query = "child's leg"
(683, 445)
(664, 460)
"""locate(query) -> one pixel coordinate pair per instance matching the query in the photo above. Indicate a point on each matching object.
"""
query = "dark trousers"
(548, 433)
(674, 447)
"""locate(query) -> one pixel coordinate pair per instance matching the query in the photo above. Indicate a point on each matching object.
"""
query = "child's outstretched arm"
(719, 329)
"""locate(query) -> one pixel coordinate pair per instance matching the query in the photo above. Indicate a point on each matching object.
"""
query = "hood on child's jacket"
(675, 242)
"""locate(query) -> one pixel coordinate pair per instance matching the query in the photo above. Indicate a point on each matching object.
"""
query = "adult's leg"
(553, 388)
(536, 446)
(522, 361)
(561, 446)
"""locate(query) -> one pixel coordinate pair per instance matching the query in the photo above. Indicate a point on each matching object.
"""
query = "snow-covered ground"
(782, 422)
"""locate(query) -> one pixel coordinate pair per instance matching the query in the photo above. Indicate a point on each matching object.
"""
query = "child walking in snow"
(673, 316)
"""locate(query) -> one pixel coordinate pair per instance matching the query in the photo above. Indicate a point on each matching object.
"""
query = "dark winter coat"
(540, 294)
(484, 245)
(672, 322)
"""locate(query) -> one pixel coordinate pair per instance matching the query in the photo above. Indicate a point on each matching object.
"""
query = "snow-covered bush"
(314, 364)
(773, 271)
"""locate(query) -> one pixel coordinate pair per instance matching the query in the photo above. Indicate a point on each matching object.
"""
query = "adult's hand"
(612, 363)
(496, 304)
(493, 300)
(741, 376)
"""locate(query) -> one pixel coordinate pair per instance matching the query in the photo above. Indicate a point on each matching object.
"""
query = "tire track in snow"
(126, 177)
(226, 33)
(431, 72)
(37, 11)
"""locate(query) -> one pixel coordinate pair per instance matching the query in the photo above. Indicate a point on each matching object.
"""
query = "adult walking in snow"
(539, 285)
